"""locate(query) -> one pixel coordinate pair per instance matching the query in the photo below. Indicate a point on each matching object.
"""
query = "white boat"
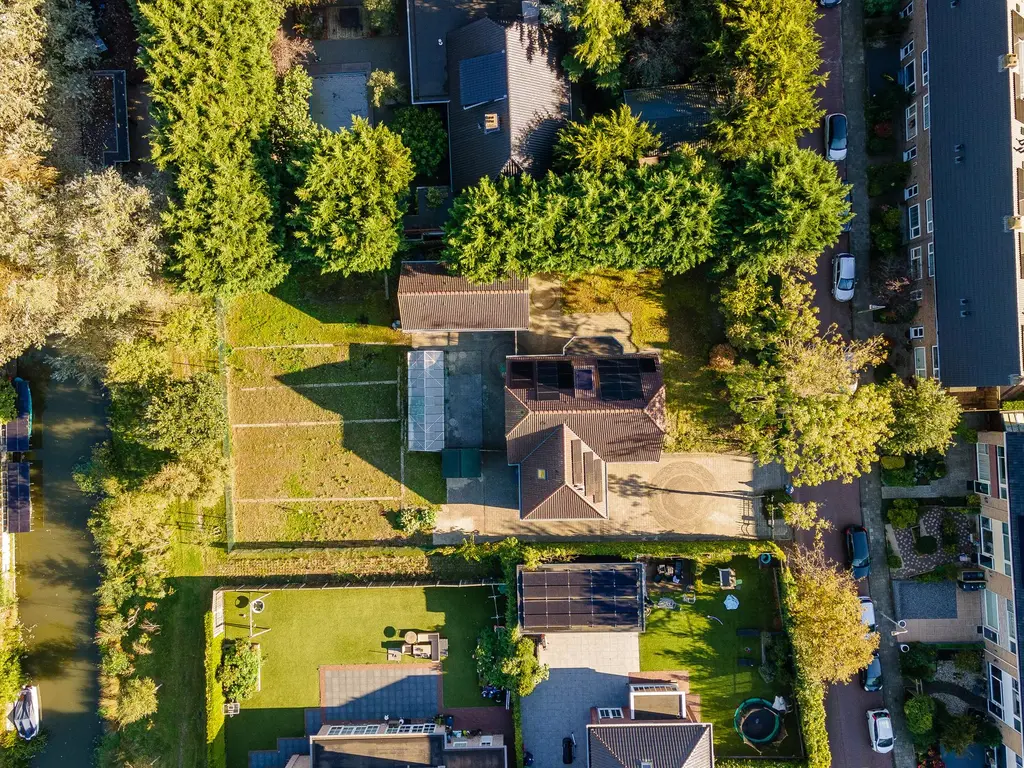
(26, 712)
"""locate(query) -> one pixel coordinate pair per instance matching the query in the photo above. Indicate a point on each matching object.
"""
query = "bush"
(886, 229)
(945, 572)
(903, 513)
(969, 660)
(239, 672)
(216, 751)
(966, 434)
(874, 8)
(417, 520)
(958, 732)
(894, 560)
(8, 402)
(899, 478)
(722, 358)
(950, 535)
(384, 88)
(893, 462)
(919, 711)
(507, 660)
(887, 177)
(926, 545)
(423, 133)
(380, 15)
(919, 663)
(436, 196)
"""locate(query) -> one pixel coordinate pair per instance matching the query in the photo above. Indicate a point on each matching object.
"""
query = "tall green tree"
(925, 417)
(423, 133)
(785, 205)
(598, 29)
(766, 59)
(349, 206)
(618, 137)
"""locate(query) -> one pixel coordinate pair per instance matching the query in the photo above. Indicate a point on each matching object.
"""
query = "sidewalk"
(879, 584)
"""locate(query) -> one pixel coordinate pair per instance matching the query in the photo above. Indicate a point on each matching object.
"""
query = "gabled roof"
(562, 479)
(614, 404)
(663, 745)
(512, 71)
(431, 299)
(680, 113)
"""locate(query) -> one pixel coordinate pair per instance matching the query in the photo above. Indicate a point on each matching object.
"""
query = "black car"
(569, 749)
(871, 677)
(829, 3)
(857, 551)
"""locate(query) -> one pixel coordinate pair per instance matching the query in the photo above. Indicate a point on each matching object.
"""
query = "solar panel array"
(16, 502)
(426, 400)
(620, 379)
(575, 599)
(483, 79)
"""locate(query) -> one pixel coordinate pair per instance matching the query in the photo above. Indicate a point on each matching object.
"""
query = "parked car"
(569, 749)
(835, 136)
(880, 730)
(848, 226)
(867, 613)
(844, 276)
(829, 3)
(857, 551)
(871, 676)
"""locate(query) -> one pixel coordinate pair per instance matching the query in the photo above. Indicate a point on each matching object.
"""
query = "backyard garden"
(301, 631)
(725, 667)
(315, 400)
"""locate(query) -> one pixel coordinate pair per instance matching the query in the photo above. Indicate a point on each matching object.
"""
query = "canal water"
(57, 572)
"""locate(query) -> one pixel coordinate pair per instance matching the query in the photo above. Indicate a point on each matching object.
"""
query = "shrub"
(436, 196)
(966, 434)
(919, 711)
(945, 572)
(887, 229)
(8, 404)
(380, 15)
(903, 513)
(722, 358)
(384, 88)
(894, 560)
(948, 529)
(958, 732)
(874, 8)
(423, 133)
(893, 462)
(507, 660)
(926, 545)
(239, 672)
(899, 478)
(969, 660)
(417, 520)
(919, 662)
(887, 177)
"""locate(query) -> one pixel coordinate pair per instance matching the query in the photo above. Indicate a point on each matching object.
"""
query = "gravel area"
(953, 704)
(915, 564)
(924, 600)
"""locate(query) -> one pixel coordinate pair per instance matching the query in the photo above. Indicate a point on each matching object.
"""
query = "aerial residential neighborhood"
(495, 384)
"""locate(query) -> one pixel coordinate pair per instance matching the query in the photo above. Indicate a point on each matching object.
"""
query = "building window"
(1007, 568)
(924, 67)
(1015, 688)
(984, 469)
(1011, 626)
(928, 223)
(926, 111)
(935, 362)
(910, 77)
(609, 713)
(542, 474)
(914, 223)
(916, 295)
(915, 263)
(931, 259)
(907, 50)
(920, 367)
(910, 154)
(910, 192)
(917, 331)
(1001, 474)
(908, 11)
(987, 555)
(995, 691)
(990, 618)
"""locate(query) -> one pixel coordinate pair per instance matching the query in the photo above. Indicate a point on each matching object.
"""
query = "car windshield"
(845, 284)
(885, 742)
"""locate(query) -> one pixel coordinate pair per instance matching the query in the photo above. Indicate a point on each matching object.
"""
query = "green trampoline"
(757, 722)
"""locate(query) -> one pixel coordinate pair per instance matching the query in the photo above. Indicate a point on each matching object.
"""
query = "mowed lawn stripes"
(284, 404)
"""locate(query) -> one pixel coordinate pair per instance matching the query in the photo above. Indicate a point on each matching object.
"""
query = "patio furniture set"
(429, 646)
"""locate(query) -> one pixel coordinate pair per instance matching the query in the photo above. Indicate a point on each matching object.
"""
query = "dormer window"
(491, 123)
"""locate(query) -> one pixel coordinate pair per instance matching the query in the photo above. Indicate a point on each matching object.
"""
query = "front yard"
(316, 400)
(313, 628)
(702, 640)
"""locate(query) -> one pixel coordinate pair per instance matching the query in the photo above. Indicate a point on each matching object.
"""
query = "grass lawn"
(312, 628)
(676, 316)
(688, 639)
(334, 460)
(331, 460)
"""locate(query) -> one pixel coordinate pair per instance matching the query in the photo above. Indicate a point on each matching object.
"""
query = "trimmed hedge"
(216, 751)
(756, 762)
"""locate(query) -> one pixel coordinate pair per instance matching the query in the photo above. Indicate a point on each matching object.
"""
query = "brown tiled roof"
(663, 745)
(431, 299)
(573, 485)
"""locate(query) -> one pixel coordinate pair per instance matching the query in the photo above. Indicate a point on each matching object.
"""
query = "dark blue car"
(857, 551)
(871, 676)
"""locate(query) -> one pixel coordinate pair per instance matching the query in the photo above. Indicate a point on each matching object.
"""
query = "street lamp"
(871, 308)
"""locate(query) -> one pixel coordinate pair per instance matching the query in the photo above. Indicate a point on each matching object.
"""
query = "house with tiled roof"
(499, 73)
(632, 744)
(432, 299)
(568, 417)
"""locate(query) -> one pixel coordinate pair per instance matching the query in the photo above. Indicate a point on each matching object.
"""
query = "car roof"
(847, 267)
(884, 725)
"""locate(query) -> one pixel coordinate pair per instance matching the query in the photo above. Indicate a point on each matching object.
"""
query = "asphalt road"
(845, 705)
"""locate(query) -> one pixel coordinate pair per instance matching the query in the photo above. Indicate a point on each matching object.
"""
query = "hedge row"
(756, 762)
(216, 751)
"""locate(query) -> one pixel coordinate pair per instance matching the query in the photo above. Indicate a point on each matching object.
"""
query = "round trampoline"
(757, 722)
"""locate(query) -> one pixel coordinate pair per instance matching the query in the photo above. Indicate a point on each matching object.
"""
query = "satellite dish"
(256, 606)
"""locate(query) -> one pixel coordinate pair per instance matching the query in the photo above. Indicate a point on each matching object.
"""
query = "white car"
(867, 613)
(880, 730)
(844, 276)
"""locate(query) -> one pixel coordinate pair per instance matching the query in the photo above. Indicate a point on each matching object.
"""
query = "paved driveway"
(588, 669)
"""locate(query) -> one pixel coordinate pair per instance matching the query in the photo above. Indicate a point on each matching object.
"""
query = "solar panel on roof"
(648, 365)
(620, 379)
(580, 598)
(17, 501)
(483, 79)
(521, 374)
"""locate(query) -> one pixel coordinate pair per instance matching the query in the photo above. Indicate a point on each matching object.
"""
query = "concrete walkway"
(880, 587)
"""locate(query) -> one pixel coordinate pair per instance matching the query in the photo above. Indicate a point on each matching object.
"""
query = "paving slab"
(370, 691)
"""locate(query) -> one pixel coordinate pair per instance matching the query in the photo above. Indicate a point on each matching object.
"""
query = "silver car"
(844, 276)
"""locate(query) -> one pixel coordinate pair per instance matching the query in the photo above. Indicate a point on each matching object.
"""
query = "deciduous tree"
(925, 417)
(136, 700)
(8, 401)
